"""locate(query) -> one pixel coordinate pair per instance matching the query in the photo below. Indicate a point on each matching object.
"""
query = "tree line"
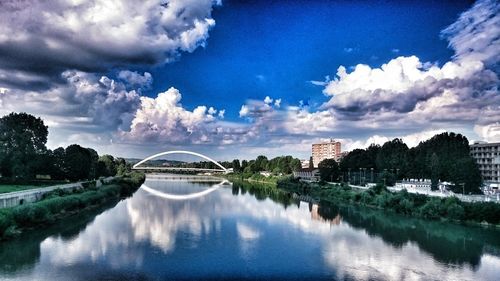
(279, 165)
(24, 155)
(444, 157)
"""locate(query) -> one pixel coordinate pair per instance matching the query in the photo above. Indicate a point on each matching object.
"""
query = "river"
(180, 229)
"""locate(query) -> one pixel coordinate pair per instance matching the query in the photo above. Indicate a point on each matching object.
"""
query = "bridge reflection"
(219, 182)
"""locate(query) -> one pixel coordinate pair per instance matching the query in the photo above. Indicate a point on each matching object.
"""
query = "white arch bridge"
(166, 168)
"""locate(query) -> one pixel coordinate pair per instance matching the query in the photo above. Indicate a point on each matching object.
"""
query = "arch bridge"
(138, 167)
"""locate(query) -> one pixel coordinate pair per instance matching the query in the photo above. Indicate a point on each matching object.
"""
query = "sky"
(243, 78)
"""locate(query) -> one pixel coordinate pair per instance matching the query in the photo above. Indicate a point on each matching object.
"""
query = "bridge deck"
(178, 169)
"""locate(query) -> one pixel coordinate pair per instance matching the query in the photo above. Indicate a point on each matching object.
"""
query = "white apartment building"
(487, 156)
(326, 150)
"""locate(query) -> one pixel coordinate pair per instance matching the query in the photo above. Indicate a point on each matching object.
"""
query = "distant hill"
(156, 162)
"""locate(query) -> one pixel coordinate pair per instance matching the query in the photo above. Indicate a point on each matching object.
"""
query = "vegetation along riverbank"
(61, 204)
(401, 202)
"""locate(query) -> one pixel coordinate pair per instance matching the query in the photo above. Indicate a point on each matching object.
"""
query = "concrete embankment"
(13, 199)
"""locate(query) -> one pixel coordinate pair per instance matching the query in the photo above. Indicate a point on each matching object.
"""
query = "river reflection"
(245, 232)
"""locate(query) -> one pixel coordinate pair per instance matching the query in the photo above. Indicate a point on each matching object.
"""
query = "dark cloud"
(41, 39)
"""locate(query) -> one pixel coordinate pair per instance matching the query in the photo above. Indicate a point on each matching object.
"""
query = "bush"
(30, 214)
(432, 209)
(455, 211)
(6, 221)
(379, 188)
(60, 201)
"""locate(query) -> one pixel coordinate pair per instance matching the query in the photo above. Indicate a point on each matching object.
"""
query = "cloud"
(490, 132)
(474, 36)
(257, 108)
(164, 119)
(85, 102)
(39, 39)
(411, 140)
(406, 92)
(136, 80)
(321, 83)
(268, 100)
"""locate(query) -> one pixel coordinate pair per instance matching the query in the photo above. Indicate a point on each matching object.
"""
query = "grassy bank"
(59, 204)
(253, 178)
(6, 188)
(402, 202)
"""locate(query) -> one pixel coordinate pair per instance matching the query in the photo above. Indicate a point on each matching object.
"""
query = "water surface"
(241, 232)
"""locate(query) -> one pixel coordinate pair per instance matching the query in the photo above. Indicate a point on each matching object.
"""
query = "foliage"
(78, 162)
(22, 139)
(329, 170)
(444, 157)
(61, 203)
(23, 154)
(281, 165)
(402, 202)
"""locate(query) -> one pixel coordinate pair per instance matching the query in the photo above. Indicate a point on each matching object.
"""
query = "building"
(326, 150)
(415, 184)
(487, 156)
(311, 175)
(304, 163)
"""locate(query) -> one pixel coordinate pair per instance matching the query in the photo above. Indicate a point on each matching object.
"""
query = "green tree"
(329, 170)
(244, 164)
(94, 158)
(22, 139)
(260, 163)
(59, 167)
(311, 163)
(434, 165)
(107, 166)
(236, 165)
(78, 161)
(122, 167)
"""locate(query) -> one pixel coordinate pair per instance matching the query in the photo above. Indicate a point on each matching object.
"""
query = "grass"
(59, 204)
(402, 202)
(6, 188)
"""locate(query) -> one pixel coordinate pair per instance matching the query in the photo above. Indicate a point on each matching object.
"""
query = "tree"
(236, 165)
(58, 162)
(244, 164)
(78, 161)
(466, 176)
(107, 166)
(329, 170)
(122, 167)
(295, 164)
(434, 165)
(22, 138)
(311, 163)
(393, 155)
(260, 163)
(94, 158)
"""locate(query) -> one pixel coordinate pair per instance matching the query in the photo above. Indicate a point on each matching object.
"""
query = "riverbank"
(401, 202)
(273, 180)
(60, 204)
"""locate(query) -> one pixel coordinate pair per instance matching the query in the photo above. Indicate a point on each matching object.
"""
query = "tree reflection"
(23, 252)
(448, 243)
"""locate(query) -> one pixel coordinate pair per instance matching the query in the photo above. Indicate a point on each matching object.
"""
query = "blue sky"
(243, 78)
(273, 48)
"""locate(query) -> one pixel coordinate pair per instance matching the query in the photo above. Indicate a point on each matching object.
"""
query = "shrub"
(455, 211)
(405, 207)
(30, 214)
(431, 209)
(6, 221)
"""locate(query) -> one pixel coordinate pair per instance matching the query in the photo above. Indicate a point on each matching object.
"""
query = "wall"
(13, 199)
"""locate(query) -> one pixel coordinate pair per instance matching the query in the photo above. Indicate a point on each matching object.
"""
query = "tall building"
(326, 150)
(487, 156)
